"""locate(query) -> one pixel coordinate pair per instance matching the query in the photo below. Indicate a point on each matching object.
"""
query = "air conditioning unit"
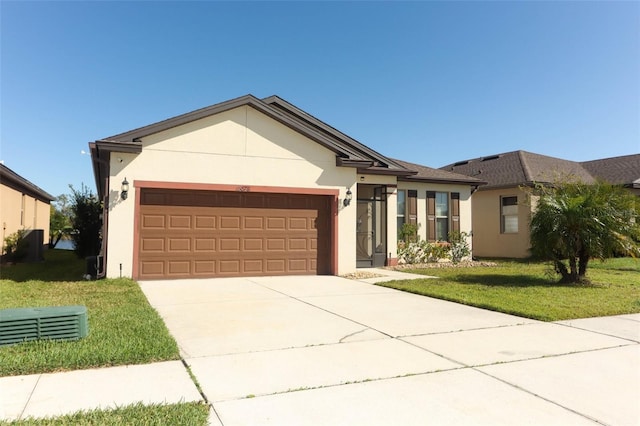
(56, 323)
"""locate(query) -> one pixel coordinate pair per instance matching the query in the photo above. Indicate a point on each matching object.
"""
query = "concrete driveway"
(327, 350)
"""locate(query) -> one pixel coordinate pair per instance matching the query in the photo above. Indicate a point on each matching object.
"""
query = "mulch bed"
(463, 264)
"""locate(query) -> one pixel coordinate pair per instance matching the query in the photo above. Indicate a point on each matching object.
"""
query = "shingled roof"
(519, 168)
(624, 170)
(13, 180)
(349, 152)
(428, 174)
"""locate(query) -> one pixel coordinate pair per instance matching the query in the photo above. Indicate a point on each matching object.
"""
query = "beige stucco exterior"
(422, 188)
(22, 211)
(242, 148)
(237, 147)
(488, 238)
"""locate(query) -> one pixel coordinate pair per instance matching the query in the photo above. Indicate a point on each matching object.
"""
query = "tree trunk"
(573, 275)
(561, 268)
(582, 266)
(53, 243)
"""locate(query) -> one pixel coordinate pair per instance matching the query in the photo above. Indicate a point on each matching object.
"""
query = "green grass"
(187, 414)
(59, 265)
(528, 289)
(123, 327)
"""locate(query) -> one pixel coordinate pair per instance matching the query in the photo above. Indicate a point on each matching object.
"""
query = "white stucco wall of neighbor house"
(238, 147)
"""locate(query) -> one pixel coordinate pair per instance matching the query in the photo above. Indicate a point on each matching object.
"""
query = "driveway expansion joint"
(535, 395)
(599, 332)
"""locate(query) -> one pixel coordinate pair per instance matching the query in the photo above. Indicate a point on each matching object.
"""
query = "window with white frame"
(402, 208)
(442, 216)
(509, 215)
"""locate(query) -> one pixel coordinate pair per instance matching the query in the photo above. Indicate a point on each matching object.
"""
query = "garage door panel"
(298, 265)
(229, 244)
(275, 244)
(205, 222)
(298, 223)
(205, 245)
(179, 244)
(152, 268)
(276, 223)
(152, 221)
(230, 222)
(265, 236)
(179, 268)
(253, 266)
(253, 244)
(298, 244)
(275, 266)
(229, 267)
(204, 267)
(152, 245)
(179, 222)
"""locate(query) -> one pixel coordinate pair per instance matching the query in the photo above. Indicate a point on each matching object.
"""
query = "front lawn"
(527, 289)
(123, 327)
(187, 414)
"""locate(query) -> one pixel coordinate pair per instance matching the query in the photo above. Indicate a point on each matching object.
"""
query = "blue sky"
(428, 82)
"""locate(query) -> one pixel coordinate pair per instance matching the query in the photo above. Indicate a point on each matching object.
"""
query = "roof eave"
(10, 178)
(375, 170)
(471, 182)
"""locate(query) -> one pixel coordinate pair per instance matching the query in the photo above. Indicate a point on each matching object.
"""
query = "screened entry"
(371, 225)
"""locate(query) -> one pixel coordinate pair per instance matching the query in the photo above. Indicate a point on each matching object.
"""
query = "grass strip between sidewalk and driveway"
(185, 414)
(123, 327)
(528, 290)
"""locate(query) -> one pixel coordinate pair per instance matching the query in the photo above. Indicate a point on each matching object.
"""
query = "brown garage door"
(190, 234)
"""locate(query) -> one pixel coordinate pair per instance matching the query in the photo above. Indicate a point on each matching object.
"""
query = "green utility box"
(54, 322)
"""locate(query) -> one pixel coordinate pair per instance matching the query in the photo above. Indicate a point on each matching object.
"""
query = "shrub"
(409, 232)
(421, 252)
(459, 246)
(15, 246)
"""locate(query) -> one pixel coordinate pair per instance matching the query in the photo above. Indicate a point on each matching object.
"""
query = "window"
(22, 208)
(509, 215)
(442, 216)
(402, 208)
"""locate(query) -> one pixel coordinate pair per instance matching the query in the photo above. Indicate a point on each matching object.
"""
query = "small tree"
(574, 222)
(409, 232)
(59, 220)
(85, 221)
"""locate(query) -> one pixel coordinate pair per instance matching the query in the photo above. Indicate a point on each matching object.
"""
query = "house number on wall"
(244, 189)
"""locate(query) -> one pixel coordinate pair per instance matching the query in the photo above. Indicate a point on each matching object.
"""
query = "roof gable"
(349, 152)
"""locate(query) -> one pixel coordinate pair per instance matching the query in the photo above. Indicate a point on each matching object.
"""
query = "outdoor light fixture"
(347, 198)
(124, 189)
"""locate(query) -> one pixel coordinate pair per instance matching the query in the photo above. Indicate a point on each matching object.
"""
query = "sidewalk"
(56, 394)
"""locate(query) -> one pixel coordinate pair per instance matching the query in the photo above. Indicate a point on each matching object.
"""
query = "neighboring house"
(259, 187)
(23, 205)
(502, 210)
(624, 170)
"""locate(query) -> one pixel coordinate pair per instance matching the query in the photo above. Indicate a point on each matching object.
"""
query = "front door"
(371, 220)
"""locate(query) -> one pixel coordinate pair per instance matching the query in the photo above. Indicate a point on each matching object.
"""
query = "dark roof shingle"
(624, 170)
(428, 174)
(519, 168)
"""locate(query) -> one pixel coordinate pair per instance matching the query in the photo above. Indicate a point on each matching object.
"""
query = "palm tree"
(575, 222)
